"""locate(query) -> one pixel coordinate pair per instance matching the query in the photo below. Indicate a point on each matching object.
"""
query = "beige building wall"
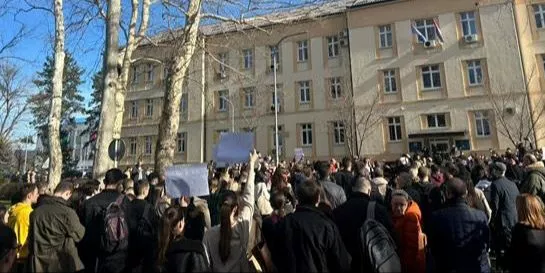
(496, 49)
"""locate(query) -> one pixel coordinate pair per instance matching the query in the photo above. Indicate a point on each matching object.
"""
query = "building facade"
(375, 78)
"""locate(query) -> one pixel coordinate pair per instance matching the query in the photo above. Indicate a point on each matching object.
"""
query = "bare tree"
(14, 92)
(55, 152)
(116, 68)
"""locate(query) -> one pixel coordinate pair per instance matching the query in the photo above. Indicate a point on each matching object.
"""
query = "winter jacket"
(459, 239)
(54, 231)
(411, 241)
(89, 248)
(527, 250)
(379, 185)
(503, 194)
(349, 218)
(310, 242)
(141, 249)
(535, 180)
(19, 221)
(344, 179)
(185, 255)
(333, 192)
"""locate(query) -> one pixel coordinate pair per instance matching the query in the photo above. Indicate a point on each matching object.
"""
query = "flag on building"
(438, 30)
(418, 33)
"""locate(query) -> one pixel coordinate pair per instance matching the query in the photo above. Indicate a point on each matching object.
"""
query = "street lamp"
(232, 112)
(274, 65)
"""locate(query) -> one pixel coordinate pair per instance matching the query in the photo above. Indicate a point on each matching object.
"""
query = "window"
(474, 73)
(135, 74)
(385, 36)
(394, 129)
(222, 100)
(437, 121)
(248, 58)
(148, 146)
(275, 54)
(431, 76)
(277, 101)
(134, 109)
(427, 29)
(132, 146)
(302, 51)
(539, 13)
(482, 123)
(249, 97)
(280, 138)
(183, 103)
(149, 108)
(304, 90)
(333, 46)
(338, 132)
(306, 134)
(149, 72)
(181, 141)
(222, 57)
(469, 26)
(336, 91)
(390, 85)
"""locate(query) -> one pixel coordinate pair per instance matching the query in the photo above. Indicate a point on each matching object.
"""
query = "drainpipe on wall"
(523, 69)
(353, 124)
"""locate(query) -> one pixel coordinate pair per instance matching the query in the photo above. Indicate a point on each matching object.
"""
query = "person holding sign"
(227, 243)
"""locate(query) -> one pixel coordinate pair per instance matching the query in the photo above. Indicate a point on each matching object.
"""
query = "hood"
(19, 207)
(380, 181)
(538, 166)
(49, 200)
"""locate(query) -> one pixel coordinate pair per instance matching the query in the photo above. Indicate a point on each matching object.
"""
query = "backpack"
(379, 249)
(115, 231)
(144, 228)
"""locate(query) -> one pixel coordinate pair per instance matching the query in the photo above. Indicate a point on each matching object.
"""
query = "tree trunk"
(170, 118)
(55, 153)
(107, 113)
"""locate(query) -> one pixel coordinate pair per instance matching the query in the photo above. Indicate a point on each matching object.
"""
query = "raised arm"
(248, 198)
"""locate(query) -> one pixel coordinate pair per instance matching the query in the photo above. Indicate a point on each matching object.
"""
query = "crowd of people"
(454, 213)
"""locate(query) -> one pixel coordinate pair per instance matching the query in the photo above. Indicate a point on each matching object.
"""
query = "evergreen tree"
(72, 103)
(93, 109)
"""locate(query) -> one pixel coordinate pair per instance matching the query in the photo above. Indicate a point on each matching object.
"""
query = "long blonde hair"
(530, 211)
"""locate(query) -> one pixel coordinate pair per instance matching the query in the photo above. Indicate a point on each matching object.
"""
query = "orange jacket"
(411, 242)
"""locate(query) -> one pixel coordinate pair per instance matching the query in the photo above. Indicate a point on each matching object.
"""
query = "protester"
(278, 203)
(8, 249)
(94, 248)
(344, 177)
(144, 232)
(436, 176)
(503, 194)
(535, 177)
(19, 220)
(280, 184)
(379, 185)
(404, 181)
(197, 219)
(175, 252)
(407, 220)
(475, 199)
(227, 243)
(459, 235)
(350, 217)
(54, 231)
(527, 250)
(311, 241)
(334, 193)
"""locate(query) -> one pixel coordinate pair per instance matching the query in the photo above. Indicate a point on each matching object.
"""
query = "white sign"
(299, 154)
(234, 148)
(187, 180)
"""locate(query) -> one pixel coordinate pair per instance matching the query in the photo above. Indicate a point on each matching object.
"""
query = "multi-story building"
(377, 77)
(79, 143)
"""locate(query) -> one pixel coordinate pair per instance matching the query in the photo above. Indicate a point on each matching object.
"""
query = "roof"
(361, 3)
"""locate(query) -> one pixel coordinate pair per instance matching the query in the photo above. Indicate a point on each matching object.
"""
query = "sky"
(84, 43)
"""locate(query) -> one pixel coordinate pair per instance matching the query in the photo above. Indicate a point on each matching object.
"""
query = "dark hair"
(471, 197)
(114, 176)
(347, 162)
(42, 187)
(26, 190)
(153, 175)
(478, 173)
(434, 168)
(171, 217)
(379, 172)
(452, 169)
(308, 193)
(229, 201)
(456, 187)
(277, 180)
(278, 203)
(322, 169)
(140, 186)
(64, 187)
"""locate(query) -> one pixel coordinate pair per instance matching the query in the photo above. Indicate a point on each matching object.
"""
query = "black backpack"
(144, 228)
(115, 230)
(379, 249)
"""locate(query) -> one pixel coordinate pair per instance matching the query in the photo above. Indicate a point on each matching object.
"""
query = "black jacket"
(527, 250)
(459, 238)
(344, 179)
(349, 218)
(185, 255)
(142, 243)
(310, 242)
(91, 218)
(503, 194)
(333, 192)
